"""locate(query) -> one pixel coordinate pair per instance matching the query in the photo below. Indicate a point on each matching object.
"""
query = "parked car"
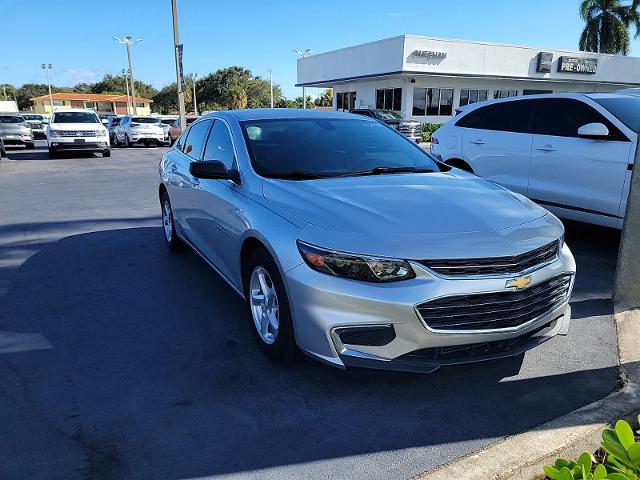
(37, 123)
(572, 153)
(77, 130)
(135, 129)
(175, 130)
(112, 122)
(166, 121)
(350, 242)
(409, 128)
(3, 152)
(15, 130)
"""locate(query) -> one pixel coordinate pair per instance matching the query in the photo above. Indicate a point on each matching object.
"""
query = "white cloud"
(83, 75)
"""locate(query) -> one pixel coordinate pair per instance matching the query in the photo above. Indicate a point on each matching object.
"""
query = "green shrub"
(622, 460)
(428, 129)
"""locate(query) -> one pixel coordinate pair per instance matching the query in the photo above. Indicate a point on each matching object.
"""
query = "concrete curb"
(522, 456)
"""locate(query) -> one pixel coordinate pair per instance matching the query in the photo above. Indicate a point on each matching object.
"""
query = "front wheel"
(52, 152)
(269, 307)
(173, 241)
(127, 142)
(106, 153)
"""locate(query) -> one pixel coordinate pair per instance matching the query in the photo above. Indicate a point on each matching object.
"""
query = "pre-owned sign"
(578, 65)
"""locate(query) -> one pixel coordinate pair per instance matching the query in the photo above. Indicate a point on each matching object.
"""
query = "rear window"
(11, 119)
(167, 121)
(512, 116)
(75, 117)
(627, 110)
(144, 120)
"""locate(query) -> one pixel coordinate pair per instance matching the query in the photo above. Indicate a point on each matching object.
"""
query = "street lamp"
(47, 68)
(125, 74)
(302, 54)
(128, 41)
(271, 84)
(195, 102)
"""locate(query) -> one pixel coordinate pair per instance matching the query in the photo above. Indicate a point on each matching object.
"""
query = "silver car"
(352, 244)
(15, 130)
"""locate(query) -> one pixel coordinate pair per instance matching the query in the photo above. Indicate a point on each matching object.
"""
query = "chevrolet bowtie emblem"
(519, 283)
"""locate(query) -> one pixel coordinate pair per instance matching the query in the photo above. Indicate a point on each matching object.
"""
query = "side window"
(220, 146)
(194, 145)
(179, 145)
(514, 116)
(562, 117)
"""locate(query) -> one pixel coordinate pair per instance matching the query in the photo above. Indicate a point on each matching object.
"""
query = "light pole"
(177, 50)
(271, 84)
(195, 101)
(302, 54)
(125, 74)
(47, 68)
(4, 90)
(128, 41)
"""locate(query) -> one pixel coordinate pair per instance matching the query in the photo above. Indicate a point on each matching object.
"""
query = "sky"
(76, 35)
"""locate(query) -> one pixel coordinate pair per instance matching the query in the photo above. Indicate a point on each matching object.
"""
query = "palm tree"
(607, 25)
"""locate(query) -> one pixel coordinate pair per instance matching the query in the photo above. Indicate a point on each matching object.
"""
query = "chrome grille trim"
(78, 133)
(495, 265)
(509, 309)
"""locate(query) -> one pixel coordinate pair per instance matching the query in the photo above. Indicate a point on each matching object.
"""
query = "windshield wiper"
(383, 170)
(297, 175)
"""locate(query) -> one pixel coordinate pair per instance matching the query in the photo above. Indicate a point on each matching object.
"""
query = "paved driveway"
(121, 360)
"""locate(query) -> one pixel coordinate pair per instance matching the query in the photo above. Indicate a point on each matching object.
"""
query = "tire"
(106, 153)
(168, 226)
(127, 142)
(53, 153)
(30, 146)
(113, 139)
(277, 343)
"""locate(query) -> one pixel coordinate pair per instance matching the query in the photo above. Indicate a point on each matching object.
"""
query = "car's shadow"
(154, 373)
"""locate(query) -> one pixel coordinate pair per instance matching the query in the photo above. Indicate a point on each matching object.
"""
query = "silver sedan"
(350, 243)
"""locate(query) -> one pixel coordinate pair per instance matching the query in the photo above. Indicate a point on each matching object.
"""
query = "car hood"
(452, 214)
(83, 127)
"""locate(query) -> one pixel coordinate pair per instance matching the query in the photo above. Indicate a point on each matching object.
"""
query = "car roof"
(10, 114)
(73, 110)
(281, 113)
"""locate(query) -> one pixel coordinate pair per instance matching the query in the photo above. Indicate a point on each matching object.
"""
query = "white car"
(77, 129)
(572, 153)
(166, 121)
(139, 129)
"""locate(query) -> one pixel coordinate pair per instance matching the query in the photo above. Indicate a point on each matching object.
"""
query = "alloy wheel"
(264, 305)
(167, 221)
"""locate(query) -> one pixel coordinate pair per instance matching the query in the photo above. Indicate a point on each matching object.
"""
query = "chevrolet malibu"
(352, 244)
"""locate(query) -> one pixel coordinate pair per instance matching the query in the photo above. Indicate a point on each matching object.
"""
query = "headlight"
(102, 133)
(53, 133)
(356, 267)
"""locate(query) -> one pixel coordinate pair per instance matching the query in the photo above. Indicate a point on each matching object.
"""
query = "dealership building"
(426, 79)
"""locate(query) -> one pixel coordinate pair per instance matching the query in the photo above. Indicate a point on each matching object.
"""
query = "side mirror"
(593, 131)
(212, 169)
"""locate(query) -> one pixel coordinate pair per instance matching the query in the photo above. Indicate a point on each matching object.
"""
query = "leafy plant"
(622, 449)
(428, 129)
(581, 469)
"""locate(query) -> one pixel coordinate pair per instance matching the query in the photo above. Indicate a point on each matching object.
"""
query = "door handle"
(478, 141)
(546, 148)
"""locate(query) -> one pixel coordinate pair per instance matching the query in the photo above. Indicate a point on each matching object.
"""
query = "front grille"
(494, 265)
(79, 133)
(375, 336)
(483, 311)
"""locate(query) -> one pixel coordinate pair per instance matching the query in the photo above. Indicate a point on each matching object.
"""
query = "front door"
(582, 177)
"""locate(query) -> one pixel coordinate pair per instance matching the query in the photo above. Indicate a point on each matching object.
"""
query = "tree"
(607, 25)
(115, 84)
(166, 100)
(325, 99)
(237, 98)
(26, 92)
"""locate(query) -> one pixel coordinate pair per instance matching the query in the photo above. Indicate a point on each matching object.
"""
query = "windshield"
(11, 119)
(627, 109)
(330, 147)
(144, 120)
(33, 117)
(387, 115)
(75, 117)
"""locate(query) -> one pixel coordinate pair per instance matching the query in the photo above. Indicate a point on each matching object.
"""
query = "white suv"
(572, 153)
(139, 129)
(77, 129)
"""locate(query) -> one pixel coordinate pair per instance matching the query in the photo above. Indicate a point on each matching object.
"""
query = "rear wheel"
(173, 241)
(106, 153)
(127, 142)
(269, 307)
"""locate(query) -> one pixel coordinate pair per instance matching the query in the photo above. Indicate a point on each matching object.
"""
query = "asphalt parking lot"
(119, 359)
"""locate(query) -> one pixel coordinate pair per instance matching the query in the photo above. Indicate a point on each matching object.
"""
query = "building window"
(58, 103)
(432, 102)
(505, 93)
(346, 101)
(90, 105)
(535, 92)
(139, 105)
(389, 99)
(467, 97)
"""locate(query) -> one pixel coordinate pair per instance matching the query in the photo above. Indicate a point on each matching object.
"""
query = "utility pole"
(303, 54)
(128, 41)
(4, 90)
(125, 74)
(47, 68)
(179, 74)
(627, 283)
(195, 101)
(271, 84)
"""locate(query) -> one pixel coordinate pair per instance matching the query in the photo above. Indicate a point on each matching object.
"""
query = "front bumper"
(322, 305)
(17, 139)
(93, 145)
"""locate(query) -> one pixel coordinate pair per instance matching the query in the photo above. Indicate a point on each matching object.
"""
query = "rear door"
(577, 177)
(496, 142)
